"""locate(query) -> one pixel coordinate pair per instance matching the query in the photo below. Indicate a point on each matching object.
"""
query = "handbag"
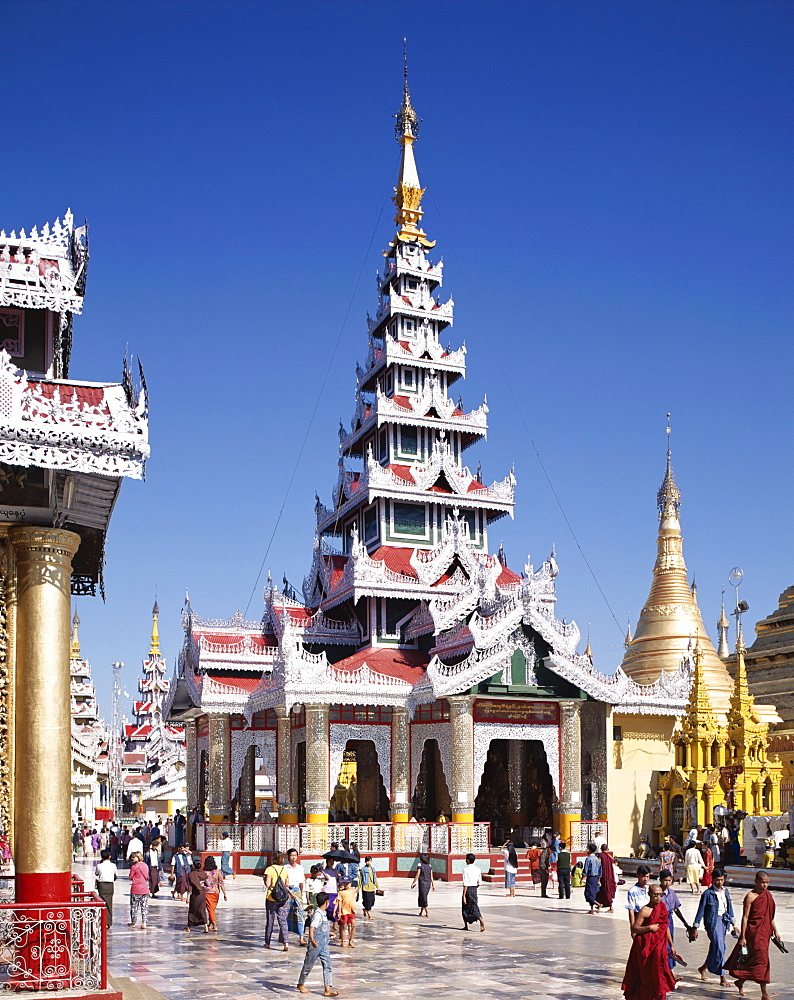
(380, 892)
(279, 893)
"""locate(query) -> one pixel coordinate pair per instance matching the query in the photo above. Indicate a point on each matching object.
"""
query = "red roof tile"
(397, 560)
(507, 576)
(403, 401)
(247, 684)
(406, 664)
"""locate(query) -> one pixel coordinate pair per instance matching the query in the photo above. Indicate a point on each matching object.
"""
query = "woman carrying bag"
(277, 899)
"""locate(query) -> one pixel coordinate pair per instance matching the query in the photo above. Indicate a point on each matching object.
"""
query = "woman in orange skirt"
(214, 887)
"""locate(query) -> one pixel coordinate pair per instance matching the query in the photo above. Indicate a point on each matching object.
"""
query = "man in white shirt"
(472, 879)
(638, 895)
(296, 877)
(105, 874)
(135, 844)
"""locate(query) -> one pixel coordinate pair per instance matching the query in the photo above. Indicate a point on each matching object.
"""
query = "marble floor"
(548, 949)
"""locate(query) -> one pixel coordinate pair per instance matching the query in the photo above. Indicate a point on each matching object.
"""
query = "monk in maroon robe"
(648, 974)
(758, 928)
(609, 883)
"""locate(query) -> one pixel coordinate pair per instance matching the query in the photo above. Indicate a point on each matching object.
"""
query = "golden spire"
(671, 616)
(75, 654)
(588, 650)
(629, 638)
(408, 193)
(154, 648)
(723, 649)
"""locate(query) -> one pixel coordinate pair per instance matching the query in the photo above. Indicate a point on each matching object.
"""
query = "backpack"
(279, 893)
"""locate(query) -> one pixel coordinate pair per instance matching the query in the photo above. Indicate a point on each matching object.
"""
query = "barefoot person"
(318, 947)
(673, 904)
(345, 913)
(424, 876)
(749, 960)
(605, 896)
(648, 975)
(472, 879)
(716, 912)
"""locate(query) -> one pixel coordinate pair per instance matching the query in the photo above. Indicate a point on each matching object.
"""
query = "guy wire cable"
(474, 299)
(316, 406)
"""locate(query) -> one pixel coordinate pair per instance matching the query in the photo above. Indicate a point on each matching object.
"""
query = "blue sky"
(610, 187)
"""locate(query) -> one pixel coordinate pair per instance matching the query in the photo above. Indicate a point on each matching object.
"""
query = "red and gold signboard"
(509, 710)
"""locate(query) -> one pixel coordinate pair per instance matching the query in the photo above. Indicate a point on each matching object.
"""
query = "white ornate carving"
(37, 270)
(380, 735)
(421, 732)
(265, 742)
(485, 732)
(52, 427)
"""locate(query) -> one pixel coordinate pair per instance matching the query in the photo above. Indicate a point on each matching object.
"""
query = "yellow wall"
(633, 766)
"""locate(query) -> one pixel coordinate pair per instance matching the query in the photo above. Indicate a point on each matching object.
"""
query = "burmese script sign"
(529, 712)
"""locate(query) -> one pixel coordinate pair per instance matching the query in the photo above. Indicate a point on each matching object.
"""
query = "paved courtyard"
(547, 949)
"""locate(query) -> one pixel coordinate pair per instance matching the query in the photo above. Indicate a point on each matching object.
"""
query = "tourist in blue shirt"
(592, 876)
(638, 895)
(716, 912)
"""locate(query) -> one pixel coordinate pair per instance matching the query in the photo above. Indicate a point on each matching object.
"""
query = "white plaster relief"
(485, 732)
(380, 735)
(265, 742)
(420, 733)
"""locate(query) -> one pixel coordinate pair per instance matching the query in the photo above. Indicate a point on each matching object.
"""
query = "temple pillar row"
(400, 766)
(42, 718)
(219, 767)
(317, 763)
(461, 725)
(191, 764)
(568, 807)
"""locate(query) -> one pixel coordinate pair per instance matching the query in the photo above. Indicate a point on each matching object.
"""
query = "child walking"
(318, 947)
(345, 913)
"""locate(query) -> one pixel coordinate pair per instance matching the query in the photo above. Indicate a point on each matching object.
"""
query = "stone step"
(131, 989)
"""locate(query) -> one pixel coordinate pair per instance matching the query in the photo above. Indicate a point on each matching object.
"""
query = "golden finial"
(408, 193)
(154, 648)
(723, 622)
(668, 499)
(629, 637)
(75, 654)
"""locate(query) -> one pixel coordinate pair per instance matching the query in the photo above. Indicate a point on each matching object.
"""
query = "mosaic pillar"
(317, 765)
(191, 764)
(461, 725)
(42, 722)
(220, 756)
(568, 808)
(400, 767)
(247, 795)
(518, 761)
(287, 810)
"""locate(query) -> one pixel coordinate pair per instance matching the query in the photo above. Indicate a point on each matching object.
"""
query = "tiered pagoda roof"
(403, 602)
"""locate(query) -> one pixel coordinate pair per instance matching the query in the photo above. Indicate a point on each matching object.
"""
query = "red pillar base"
(43, 887)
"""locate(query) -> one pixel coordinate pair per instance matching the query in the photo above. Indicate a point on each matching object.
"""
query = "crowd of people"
(650, 970)
(321, 906)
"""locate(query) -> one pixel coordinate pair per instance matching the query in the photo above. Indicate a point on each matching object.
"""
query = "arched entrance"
(359, 792)
(516, 788)
(431, 796)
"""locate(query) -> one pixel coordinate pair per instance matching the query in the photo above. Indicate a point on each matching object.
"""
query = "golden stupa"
(670, 624)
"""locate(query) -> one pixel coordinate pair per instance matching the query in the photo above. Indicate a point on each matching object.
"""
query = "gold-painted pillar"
(220, 755)
(317, 763)
(461, 726)
(400, 766)
(287, 810)
(42, 723)
(191, 764)
(568, 807)
(7, 712)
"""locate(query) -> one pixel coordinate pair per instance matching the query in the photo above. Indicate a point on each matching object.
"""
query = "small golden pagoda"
(718, 763)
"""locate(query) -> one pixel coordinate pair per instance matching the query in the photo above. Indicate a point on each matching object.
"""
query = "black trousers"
(564, 882)
(544, 882)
